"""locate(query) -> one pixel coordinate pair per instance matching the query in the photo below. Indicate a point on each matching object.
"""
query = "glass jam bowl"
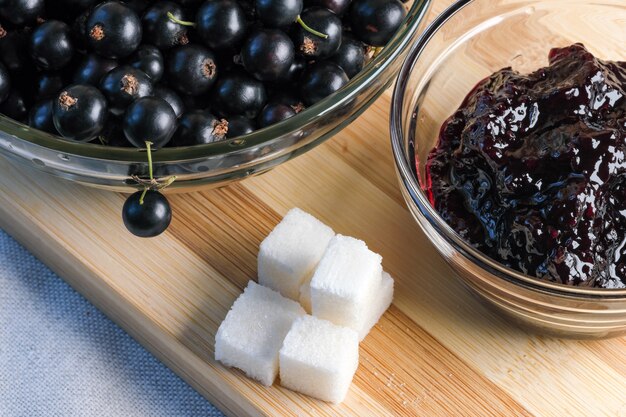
(222, 162)
(468, 42)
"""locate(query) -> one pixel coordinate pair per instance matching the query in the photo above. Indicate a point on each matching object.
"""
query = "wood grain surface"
(436, 352)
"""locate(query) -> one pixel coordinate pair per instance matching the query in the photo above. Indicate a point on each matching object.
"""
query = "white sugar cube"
(252, 333)
(345, 282)
(319, 359)
(290, 253)
(305, 296)
(379, 304)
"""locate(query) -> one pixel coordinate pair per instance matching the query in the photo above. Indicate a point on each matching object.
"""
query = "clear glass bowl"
(217, 163)
(468, 42)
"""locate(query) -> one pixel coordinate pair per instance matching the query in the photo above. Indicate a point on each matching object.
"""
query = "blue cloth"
(60, 356)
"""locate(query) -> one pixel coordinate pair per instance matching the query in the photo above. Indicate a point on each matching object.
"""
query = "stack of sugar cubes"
(341, 285)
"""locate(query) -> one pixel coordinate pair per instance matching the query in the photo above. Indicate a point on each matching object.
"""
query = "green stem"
(177, 20)
(310, 29)
(145, 190)
(149, 150)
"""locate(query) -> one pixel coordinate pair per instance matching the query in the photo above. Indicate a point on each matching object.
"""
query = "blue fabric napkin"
(60, 356)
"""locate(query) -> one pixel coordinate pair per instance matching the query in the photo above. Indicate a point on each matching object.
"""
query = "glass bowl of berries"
(508, 127)
(220, 89)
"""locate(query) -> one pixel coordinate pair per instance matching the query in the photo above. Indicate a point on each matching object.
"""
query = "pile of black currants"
(179, 72)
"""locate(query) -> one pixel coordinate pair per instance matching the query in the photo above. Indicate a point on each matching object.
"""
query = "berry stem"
(143, 194)
(149, 150)
(180, 22)
(310, 29)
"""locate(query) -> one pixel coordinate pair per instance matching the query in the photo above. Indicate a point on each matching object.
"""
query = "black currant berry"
(288, 98)
(295, 70)
(40, 116)
(92, 69)
(191, 69)
(48, 84)
(375, 21)
(5, 83)
(80, 112)
(221, 24)
(350, 56)
(14, 106)
(171, 97)
(123, 85)
(336, 6)
(310, 45)
(267, 54)
(149, 119)
(274, 113)
(21, 12)
(199, 127)
(148, 59)
(321, 80)
(51, 45)
(147, 214)
(239, 126)
(159, 30)
(113, 30)
(278, 13)
(239, 94)
(14, 50)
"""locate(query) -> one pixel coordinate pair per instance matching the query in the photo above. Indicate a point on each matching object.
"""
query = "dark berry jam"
(531, 169)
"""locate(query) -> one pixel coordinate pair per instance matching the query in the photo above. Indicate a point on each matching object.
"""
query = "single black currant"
(191, 69)
(288, 98)
(148, 59)
(14, 106)
(321, 80)
(274, 113)
(21, 12)
(295, 70)
(123, 85)
(40, 116)
(113, 30)
(79, 112)
(278, 13)
(350, 56)
(375, 21)
(221, 24)
(267, 54)
(199, 127)
(310, 45)
(338, 7)
(92, 69)
(239, 126)
(51, 45)
(14, 50)
(48, 84)
(239, 94)
(146, 213)
(171, 97)
(161, 31)
(149, 118)
(5, 83)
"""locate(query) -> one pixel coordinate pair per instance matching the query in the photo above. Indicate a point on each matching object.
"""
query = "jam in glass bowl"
(466, 44)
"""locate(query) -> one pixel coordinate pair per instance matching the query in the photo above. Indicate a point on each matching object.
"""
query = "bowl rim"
(411, 184)
(398, 43)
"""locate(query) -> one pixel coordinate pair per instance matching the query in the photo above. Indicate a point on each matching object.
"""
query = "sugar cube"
(305, 296)
(379, 304)
(319, 358)
(345, 282)
(252, 333)
(290, 253)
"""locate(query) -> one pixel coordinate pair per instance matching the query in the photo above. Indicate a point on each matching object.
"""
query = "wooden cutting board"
(436, 352)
